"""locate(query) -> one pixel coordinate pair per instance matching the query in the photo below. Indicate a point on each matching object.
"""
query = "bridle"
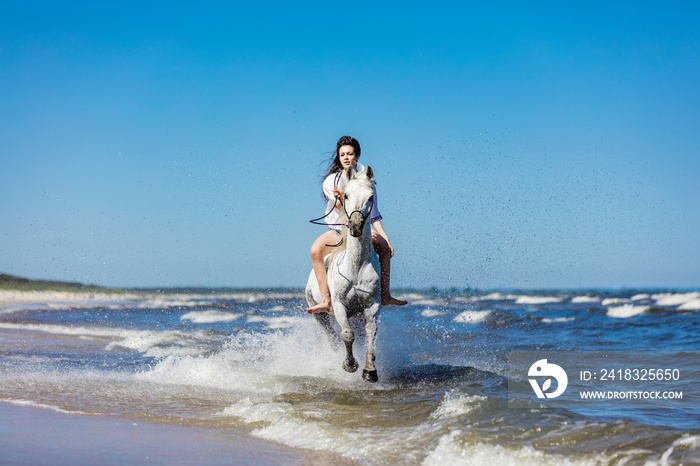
(317, 221)
(364, 217)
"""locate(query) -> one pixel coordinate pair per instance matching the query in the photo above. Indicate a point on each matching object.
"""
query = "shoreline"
(35, 435)
(10, 298)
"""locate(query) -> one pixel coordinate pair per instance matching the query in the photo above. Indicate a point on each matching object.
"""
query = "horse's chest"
(358, 288)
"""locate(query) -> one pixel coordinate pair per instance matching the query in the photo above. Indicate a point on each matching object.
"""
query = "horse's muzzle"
(356, 223)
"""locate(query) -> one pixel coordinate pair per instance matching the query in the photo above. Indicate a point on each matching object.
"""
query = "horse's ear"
(350, 173)
(369, 173)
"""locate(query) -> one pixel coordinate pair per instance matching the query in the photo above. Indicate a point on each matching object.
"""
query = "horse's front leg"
(370, 372)
(324, 319)
(341, 315)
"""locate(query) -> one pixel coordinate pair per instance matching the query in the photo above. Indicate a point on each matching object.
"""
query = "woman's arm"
(331, 192)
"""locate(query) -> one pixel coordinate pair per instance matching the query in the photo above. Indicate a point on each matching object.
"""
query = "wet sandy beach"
(31, 436)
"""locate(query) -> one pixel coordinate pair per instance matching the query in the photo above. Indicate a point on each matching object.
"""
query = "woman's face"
(347, 156)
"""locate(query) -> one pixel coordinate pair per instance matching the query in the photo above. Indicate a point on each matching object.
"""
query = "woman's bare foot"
(320, 307)
(390, 301)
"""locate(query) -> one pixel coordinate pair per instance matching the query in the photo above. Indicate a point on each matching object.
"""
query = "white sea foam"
(298, 427)
(149, 342)
(274, 322)
(432, 313)
(452, 450)
(283, 426)
(585, 299)
(496, 296)
(411, 297)
(690, 442)
(453, 404)
(537, 300)
(675, 299)
(472, 317)
(268, 363)
(34, 404)
(555, 320)
(211, 316)
(610, 301)
(212, 371)
(640, 297)
(692, 305)
(13, 300)
(427, 302)
(628, 310)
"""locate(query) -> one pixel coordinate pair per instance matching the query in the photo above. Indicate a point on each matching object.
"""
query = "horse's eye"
(346, 196)
(371, 198)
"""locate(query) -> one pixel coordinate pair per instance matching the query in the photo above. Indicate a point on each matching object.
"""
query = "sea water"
(255, 360)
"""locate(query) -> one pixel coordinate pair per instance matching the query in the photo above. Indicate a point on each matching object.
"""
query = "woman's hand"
(338, 198)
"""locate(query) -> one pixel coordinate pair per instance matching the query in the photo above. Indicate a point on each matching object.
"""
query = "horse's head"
(358, 199)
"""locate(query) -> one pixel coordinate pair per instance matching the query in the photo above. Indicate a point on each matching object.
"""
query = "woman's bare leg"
(319, 250)
(384, 253)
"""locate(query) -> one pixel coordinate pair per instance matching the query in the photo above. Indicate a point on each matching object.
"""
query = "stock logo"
(543, 369)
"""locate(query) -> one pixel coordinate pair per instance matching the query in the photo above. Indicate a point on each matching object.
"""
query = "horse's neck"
(359, 250)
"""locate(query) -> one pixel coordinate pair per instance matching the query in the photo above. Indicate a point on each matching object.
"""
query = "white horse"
(353, 274)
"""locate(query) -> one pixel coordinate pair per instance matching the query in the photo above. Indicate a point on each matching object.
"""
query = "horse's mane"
(362, 179)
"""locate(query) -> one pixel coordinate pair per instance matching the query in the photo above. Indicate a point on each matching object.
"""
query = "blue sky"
(515, 144)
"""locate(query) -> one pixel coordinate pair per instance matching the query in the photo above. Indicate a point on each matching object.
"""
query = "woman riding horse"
(345, 156)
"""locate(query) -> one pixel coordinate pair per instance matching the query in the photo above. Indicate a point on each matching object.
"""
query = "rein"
(317, 221)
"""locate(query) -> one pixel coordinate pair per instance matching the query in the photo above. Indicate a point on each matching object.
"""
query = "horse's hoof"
(350, 366)
(370, 376)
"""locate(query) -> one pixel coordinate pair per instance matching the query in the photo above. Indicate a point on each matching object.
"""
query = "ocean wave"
(554, 320)
(152, 343)
(432, 313)
(471, 317)
(626, 311)
(585, 299)
(675, 299)
(455, 448)
(610, 301)
(692, 305)
(299, 426)
(15, 300)
(496, 296)
(285, 424)
(640, 297)
(454, 404)
(274, 322)
(209, 317)
(687, 442)
(267, 363)
(427, 302)
(214, 371)
(538, 300)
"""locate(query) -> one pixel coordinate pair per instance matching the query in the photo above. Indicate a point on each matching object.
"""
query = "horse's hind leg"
(324, 319)
(370, 372)
(350, 364)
